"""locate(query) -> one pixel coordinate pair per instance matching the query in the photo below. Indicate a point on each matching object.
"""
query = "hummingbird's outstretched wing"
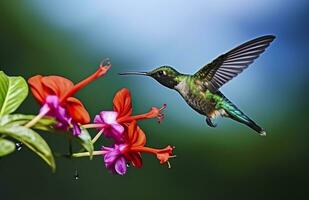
(227, 66)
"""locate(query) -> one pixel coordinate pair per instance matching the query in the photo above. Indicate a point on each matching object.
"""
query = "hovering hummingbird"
(201, 90)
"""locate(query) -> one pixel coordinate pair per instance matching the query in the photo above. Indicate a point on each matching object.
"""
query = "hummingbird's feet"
(210, 123)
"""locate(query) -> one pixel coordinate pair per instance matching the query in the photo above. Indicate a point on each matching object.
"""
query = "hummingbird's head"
(165, 75)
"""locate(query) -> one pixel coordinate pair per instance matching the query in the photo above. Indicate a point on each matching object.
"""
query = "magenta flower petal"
(111, 157)
(110, 132)
(52, 101)
(114, 160)
(111, 127)
(121, 166)
(76, 129)
(106, 117)
(118, 128)
(98, 119)
(64, 121)
(109, 117)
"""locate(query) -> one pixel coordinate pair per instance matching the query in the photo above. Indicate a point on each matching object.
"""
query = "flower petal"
(113, 159)
(98, 120)
(118, 128)
(164, 154)
(112, 129)
(57, 84)
(135, 135)
(110, 132)
(121, 166)
(135, 159)
(122, 103)
(109, 117)
(70, 92)
(77, 110)
(52, 101)
(141, 138)
(111, 156)
(76, 129)
(37, 88)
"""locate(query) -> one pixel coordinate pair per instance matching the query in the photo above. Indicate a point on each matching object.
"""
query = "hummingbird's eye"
(162, 73)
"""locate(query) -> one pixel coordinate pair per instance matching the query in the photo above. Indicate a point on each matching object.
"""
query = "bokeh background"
(70, 38)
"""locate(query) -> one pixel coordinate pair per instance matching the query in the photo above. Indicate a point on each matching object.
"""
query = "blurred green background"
(70, 38)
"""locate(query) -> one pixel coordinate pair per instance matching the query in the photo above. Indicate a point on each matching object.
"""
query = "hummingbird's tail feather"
(236, 114)
(244, 119)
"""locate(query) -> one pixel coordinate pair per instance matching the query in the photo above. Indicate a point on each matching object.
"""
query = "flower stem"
(87, 154)
(96, 137)
(37, 118)
(92, 126)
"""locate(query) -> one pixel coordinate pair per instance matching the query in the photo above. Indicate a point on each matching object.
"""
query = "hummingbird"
(201, 90)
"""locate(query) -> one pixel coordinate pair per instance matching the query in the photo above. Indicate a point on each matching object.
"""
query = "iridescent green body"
(200, 98)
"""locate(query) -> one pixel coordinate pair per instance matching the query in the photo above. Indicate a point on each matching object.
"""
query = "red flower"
(130, 151)
(123, 106)
(136, 141)
(114, 122)
(55, 94)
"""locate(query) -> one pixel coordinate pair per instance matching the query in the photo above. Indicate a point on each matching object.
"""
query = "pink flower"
(108, 120)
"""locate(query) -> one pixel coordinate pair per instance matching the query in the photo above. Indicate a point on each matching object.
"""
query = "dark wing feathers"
(232, 63)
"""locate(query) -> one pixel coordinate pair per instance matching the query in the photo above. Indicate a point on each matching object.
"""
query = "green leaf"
(85, 140)
(45, 124)
(32, 140)
(6, 147)
(13, 91)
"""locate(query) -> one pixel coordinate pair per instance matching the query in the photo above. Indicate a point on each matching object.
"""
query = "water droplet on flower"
(76, 175)
(128, 165)
(18, 146)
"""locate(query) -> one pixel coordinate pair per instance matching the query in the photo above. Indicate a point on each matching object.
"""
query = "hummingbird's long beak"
(134, 73)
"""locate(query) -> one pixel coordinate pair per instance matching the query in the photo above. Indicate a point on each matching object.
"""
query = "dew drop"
(18, 146)
(76, 175)
(128, 165)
